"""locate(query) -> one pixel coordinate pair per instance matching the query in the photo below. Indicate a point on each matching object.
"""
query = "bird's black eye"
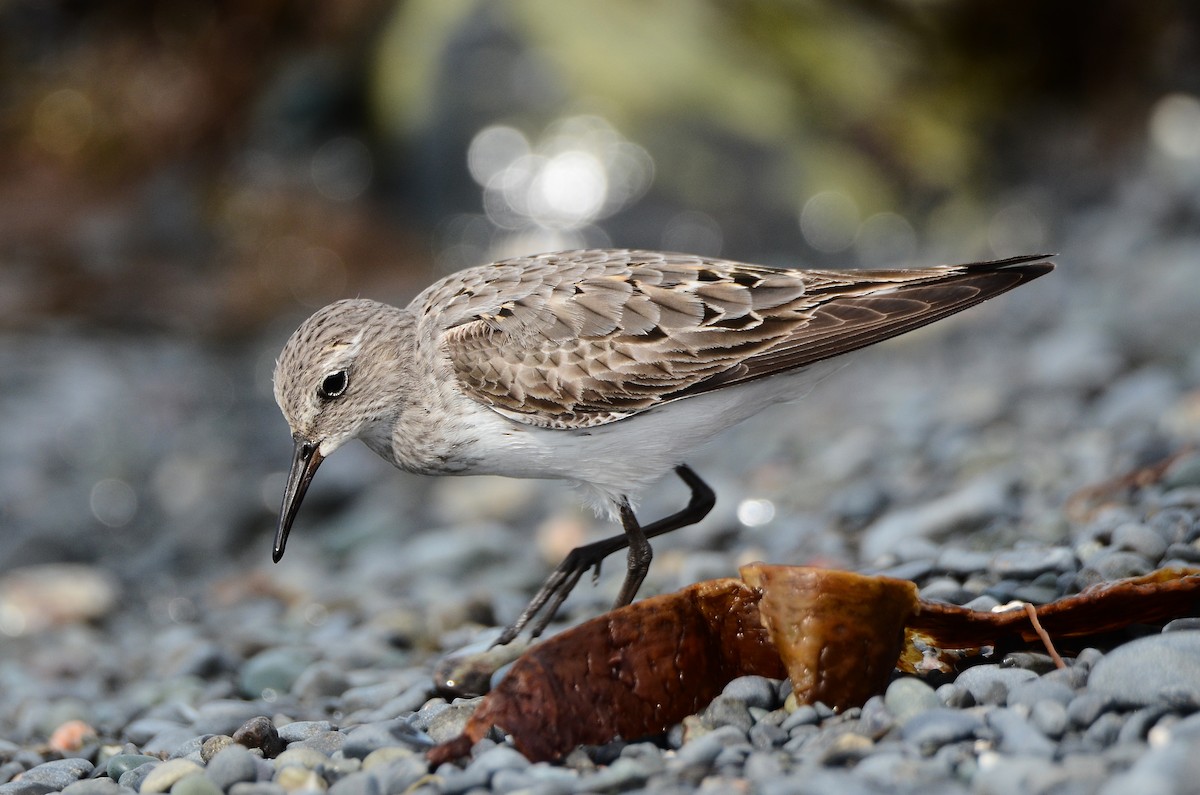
(333, 385)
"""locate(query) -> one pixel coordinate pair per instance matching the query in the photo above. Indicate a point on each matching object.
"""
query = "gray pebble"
(753, 691)
(1029, 562)
(1017, 736)
(195, 785)
(908, 696)
(623, 774)
(133, 778)
(1050, 718)
(94, 786)
(955, 696)
(1035, 691)
(299, 730)
(119, 764)
(328, 742)
(1113, 564)
(1150, 669)
(762, 766)
(1104, 731)
(703, 750)
(962, 562)
(272, 670)
(937, 727)
(1139, 539)
(360, 783)
(1086, 707)
(766, 735)
(1139, 724)
(945, 589)
(1182, 625)
(451, 721)
(726, 711)
(803, 715)
(232, 764)
(362, 740)
(26, 787)
(257, 788)
(500, 757)
(58, 773)
(989, 684)
(191, 748)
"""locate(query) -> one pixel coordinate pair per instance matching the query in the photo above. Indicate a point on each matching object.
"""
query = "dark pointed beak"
(305, 460)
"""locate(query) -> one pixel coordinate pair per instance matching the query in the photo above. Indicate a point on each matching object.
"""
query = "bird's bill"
(305, 460)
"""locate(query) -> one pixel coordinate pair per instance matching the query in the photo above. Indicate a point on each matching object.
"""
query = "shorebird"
(601, 367)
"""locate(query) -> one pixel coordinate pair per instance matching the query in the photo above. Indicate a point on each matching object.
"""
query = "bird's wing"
(578, 339)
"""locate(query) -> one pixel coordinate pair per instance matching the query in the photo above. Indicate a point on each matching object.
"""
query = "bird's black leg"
(559, 584)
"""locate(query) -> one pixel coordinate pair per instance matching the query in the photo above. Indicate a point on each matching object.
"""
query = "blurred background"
(182, 182)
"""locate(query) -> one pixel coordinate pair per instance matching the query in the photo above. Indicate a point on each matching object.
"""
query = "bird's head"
(327, 383)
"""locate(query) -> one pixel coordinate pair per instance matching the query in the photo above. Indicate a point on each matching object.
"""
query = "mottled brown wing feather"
(583, 338)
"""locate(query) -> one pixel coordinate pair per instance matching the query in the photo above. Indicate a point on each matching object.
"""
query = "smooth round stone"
(1085, 708)
(259, 732)
(214, 745)
(725, 711)
(753, 691)
(301, 757)
(1017, 736)
(360, 783)
(191, 748)
(962, 562)
(294, 778)
(93, 786)
(386, 756)
(1050, 718)
(500, 758)
(272, 670)
(937, 727)
(195, 785)
(165, 775)
(1182, 625)
(1035, 691)
(133, 779)
(1150, 670)
(989, 684)
(803, 715)
(452, 721)
(1104, 731)
(1139, 539)
(58, 773)
(325, 742)
(300, 730)
(909, 696)
(766, 735)
(257, 788)
(232, 764)
(1029, 562)
(22, 787)
(703, 750)
(622, 774)
(1115, 564)
(120, 764)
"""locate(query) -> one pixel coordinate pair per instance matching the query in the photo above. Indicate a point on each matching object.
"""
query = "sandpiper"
(601, 367)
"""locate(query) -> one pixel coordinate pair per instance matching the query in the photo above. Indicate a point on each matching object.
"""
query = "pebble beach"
(981, 458)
